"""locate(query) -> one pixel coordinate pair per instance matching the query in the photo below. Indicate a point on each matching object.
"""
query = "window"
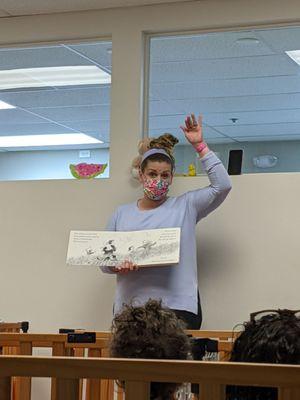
(245, 84)
(55, 111)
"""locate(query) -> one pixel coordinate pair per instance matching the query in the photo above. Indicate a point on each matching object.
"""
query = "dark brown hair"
(274, 338)
(165, 142)
(150, 331)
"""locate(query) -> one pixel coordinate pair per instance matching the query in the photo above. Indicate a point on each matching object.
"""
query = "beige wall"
(248, 256)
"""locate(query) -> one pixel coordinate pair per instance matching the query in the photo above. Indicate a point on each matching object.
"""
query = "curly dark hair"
(150, 331)
(274, 338)
(165, 142)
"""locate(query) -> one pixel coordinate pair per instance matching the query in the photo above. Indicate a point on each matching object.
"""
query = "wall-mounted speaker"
(235, 162)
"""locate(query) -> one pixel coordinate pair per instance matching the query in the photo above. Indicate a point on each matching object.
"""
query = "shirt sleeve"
(110, 226)
(205, 200)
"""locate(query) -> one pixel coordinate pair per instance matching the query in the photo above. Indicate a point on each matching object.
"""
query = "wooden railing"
(96, 389)
(214, 334)
(14, 326)
(24, 344)
(212, 376)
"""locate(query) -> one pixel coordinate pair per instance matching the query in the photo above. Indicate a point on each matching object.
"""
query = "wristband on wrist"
(200, 147)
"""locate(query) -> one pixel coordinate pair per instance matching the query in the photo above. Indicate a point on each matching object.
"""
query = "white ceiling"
(213, 74)
(31, 7)
(62, 109)
(223, 78)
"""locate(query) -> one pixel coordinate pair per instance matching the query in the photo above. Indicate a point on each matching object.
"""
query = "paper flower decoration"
(87, 171)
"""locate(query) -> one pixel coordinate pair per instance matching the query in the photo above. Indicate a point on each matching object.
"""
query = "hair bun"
(165, 142)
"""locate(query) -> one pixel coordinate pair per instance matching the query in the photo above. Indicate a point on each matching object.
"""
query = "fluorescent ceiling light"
(47, 140)
(294, 55)
(5, 106)
(53, 76)
(247, 40)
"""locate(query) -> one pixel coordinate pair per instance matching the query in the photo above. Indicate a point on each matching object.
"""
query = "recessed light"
(247, 40)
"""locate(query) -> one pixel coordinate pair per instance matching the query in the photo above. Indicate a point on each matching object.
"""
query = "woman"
(177, 286)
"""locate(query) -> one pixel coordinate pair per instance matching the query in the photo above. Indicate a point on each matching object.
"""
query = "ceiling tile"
(35, 57)
(236, 105)
(281, 39)
(99, 53)
(32, 129)
(267, 138)
(252, 118)
(206, 46)
(16, 116)
(79, 113)
(245, 67)
(58, 98)
(261, 130)
(226, 87)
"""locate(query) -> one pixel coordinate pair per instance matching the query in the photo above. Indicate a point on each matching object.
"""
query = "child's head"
(269, 337)
(150, 331)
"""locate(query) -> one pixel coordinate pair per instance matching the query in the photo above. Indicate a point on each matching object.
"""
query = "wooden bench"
(137, 375)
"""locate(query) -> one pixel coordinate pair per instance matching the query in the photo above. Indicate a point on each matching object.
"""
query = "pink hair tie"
(200, 147)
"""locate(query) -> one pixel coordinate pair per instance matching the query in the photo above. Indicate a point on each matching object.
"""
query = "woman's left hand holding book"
(125, 267)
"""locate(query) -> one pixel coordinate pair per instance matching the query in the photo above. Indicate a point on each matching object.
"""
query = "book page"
(108, 248)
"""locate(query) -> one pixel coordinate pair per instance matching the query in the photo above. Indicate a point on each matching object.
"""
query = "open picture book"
(152, 247)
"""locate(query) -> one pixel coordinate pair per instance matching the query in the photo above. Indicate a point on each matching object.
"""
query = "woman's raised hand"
(193, 129)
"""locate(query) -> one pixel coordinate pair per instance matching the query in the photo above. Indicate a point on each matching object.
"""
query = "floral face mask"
(156, 189)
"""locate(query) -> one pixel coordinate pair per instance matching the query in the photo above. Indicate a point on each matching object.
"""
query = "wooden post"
(22, 386)
(211, 391)
(67, 389)
(288, 393)
(137, 390)
(58, 349)
(93, 386)
(120, 393)
(107, 385)
(79, 352)
(5, 388)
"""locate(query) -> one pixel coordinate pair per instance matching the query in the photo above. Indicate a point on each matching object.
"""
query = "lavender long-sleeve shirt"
(176, 285)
